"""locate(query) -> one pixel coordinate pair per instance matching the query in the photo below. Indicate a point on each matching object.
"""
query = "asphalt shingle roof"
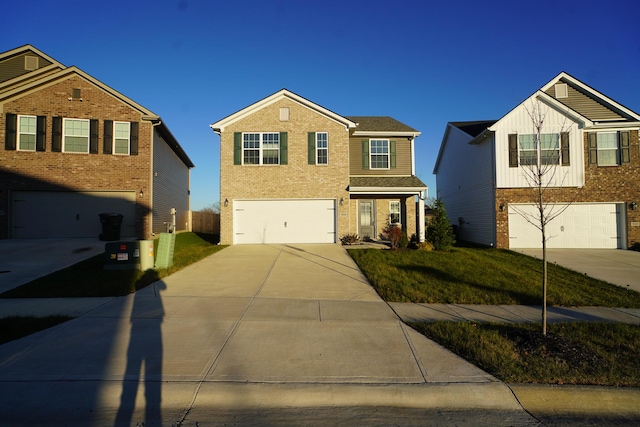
(379, 124)
(386, 181)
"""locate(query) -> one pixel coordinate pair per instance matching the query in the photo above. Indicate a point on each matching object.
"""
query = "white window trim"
(113, 147)
(538, 150)
(19, 133)
(617, 148)
(64, 135)
(260, 149)
(371, 154)
(391, 212)
(325, 148)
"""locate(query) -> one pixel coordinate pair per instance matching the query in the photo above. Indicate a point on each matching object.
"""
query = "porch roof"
(386, 185)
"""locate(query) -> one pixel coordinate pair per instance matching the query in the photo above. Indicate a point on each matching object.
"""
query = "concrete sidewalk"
(253, 335)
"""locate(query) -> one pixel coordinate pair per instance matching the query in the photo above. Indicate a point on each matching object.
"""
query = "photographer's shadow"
(144, 358)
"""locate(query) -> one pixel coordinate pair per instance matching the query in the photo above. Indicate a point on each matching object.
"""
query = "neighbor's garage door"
(579, 226)
(48, 214)
(284, 221)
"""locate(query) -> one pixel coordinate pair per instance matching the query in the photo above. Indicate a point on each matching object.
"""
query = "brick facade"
(603, 184)
(47, 170)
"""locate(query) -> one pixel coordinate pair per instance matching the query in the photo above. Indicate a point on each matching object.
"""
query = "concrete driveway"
(253, 335)
(619, 267)
(23, 260)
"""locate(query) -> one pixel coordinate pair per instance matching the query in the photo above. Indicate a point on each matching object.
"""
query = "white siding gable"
(556, 120)
(465, 184)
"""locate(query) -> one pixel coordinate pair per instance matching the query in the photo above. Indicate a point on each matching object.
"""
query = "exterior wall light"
(141, 193)
(502, 207)
(226, 202)
(633, 206)
(341, 201)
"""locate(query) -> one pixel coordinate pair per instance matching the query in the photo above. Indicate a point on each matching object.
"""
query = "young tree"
(439, 232)
(540, 156)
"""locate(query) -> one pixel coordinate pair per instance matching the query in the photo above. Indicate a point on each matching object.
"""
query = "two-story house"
(292, 171)
(73, 148)
(586, 145)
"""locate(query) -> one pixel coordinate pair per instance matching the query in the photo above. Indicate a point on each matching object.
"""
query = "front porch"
(379, 201)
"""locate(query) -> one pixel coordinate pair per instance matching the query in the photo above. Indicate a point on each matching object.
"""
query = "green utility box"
(134, 255)
(166, 246)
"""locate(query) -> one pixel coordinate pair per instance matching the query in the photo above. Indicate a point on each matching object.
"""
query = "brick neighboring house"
(72, 148)
(292, 171)
(591, 143)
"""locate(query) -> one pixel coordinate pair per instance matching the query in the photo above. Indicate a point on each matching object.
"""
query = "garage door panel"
(284, 221)
(578, 226)
(42, 214)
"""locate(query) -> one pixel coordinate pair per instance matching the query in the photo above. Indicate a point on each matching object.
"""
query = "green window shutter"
(625, 153)
(93, 136)
(365, 154)
(56, 135)
(284, 148)
(133, 141)
(11, 125)
(237, 148)
(107, 137)
(41, 133)
(311, 148)
(593, 148)
(564, 146)
(392, 154)
(513, 150)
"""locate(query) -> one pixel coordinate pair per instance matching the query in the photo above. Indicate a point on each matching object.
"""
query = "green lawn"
(570, 353)
(482, 276)
(89, 279)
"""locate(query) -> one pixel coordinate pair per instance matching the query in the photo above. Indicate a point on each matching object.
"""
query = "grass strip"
(572, 353)
(482, 276)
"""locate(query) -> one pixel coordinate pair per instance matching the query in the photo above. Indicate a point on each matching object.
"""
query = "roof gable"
(19, 62)
(219, 126)
(587, 101)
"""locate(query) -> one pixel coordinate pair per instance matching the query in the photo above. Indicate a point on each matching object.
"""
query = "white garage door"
(579, 226)
(284, 221)
(48, 214)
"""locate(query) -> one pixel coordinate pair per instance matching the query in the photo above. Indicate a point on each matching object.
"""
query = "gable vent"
(31, 63)
(561, 90)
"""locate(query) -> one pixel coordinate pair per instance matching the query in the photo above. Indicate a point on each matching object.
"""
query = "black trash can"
(111, 223)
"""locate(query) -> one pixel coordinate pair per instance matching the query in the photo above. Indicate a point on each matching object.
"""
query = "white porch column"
(420, 218)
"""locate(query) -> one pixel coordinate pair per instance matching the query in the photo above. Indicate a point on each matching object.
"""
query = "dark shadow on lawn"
(520, 298)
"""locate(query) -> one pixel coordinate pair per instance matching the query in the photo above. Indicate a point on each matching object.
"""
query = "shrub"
(439, 231)
(395, 236)
(349, 239)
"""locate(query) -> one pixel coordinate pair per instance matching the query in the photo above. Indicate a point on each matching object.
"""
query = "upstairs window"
(607, 148)
(261, 148)
(322, 148)
(547, 150)
(27, 126)
(379, 153)
(75, 136)
(122, 137)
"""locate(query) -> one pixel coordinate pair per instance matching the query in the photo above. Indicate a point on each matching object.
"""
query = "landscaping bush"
(439, 232)
(349, 239)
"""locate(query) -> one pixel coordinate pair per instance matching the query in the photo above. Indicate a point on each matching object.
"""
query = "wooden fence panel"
(205, 222)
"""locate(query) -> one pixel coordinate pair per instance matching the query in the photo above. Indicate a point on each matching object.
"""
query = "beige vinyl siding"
(585, 105)
(403, 157)
(14, 67)
(170, 187)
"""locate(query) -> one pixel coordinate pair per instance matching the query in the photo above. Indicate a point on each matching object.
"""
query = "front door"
(366, 219)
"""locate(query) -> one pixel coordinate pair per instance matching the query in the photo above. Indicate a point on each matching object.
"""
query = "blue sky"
(424, 63)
